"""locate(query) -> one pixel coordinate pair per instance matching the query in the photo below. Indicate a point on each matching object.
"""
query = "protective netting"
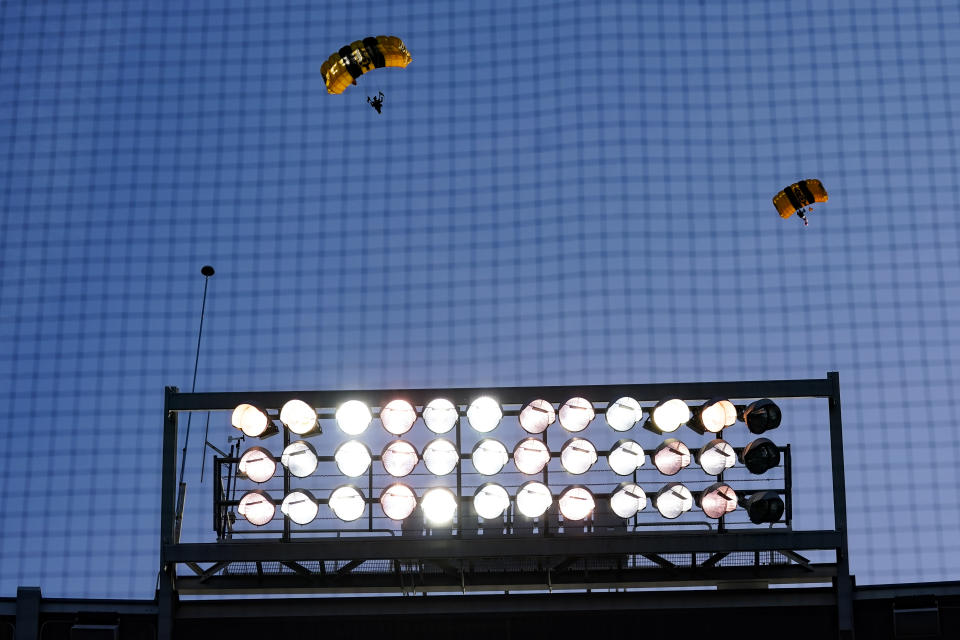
(555, 193)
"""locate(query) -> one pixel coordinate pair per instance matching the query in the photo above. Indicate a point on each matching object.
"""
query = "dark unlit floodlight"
(716, 456)
(300, 506)
(762, 415)
(536, 416)
(300, 458)
(489, 456)
(760, 456)
(714, 416)
(531, 456)
(673, 500)
(398, 501)
(717, 500)
(257, 464)
(628, 499)
(440, 456)
(671, 456)
(576, 503)
(669, 414)
(257, 507)
(490, 501)
(299, 417)
(398, 417)
(764, 506)
(575, 414)
(353, 417)
(623, 413)
(399, 458)
(347, 503)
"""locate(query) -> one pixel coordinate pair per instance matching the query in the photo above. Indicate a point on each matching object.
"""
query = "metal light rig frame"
(457, 562)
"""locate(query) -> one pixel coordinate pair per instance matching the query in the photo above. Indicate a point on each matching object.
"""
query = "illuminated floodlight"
(531, 456)
(399, 458)
(718, 500)
(578, 455)
(627, 500)
(257, 507)
(440, 415)
(716, 456)
(760, 456)
(536, 416)
(398, 417)
(398, 501)
(576, 414)
(353, 417)
(715, 416)
(673, 500)
(764, 506)
(669, 414)
(299, 417)
(576, 503)
(300, 506)
(300, 458)
(671, 456)
(489, 456)
(251, 420)
(440, 456)
(347, 503)
(623, 414)
(490, 501)
(439, 506)
(257, 464)
(484, 414)
(353, 458)
(762, 415)
(626, 457)
(533, 499)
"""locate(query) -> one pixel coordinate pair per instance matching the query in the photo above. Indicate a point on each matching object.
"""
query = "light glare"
(489, 456)
(299, 417)
(717, 415)
(533, 499)
(399, 458)
(347, 503)
(352, 458)
(440, 415)
(353, 417)
(439, 506)
(440, 456)
(623, 414)
(398, 501)
(484, 414)
(398, 417)
(716, 456)
(670, 414)
(249, 419)
(490, 501)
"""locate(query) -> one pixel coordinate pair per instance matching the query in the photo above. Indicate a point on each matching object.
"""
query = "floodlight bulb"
(627, 500)
(440, 415)
(671, 456)
(489, 456)
(626, 457)
(398, 501)
(256, 507)
(764, 506)
(578, 455)
(673, 500)
(718, 500)
(440, 456)
(533, 499)
(353, 417)
(398, 417)
(399, 458)
(623, 414)
(762, 415)
(439, 506)
(347, 503)
(299, 417)
(536, 416)
(668, 415)
(352, 458)
(760, 456)
(300, 507)
(717, 415)
(490, 501)
(576, 503)
(716, 456)
(257, 464)
(249, 419)
(300, 458)
(576, 414)
(530, 456)
(484, 414)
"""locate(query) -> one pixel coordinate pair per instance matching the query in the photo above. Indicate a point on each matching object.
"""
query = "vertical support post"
(166, 589)
(286, 484)
(28, 613)
(843, 584)
(460, 502)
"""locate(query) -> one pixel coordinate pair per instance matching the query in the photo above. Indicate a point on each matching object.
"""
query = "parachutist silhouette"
(377, 102)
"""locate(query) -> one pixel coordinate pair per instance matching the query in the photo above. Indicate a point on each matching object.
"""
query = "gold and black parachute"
(798, 198)
(343, 68)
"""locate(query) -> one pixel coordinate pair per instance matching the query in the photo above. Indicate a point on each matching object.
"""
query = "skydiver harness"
(801, 199)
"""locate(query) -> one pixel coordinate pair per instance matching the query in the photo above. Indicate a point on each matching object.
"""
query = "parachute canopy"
(342, 68)
(798, 196)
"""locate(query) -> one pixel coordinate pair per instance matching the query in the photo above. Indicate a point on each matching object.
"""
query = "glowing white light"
(300, 458)
(627, 500)
(353, 417)
(490, 501)
(484, 414)
(440, 415)
(576, 414)
(300, 507)
(623, 414)
(671, 456)
(489, 456)
(533, 499)
(718, 499)
(673, 499)
(257, 508)
(626, 457)
(578, 455)
(398, 501)
(399, 458)
(398, 417)
(536, 416)
(576, 503)
(352, 458)
(257, 464)
(299, 417)
(670, 414)
(249, 419)
(531, 456)
(347, 503)
(717, 455)
(717, 415)
(440, 456)
(439, 506)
